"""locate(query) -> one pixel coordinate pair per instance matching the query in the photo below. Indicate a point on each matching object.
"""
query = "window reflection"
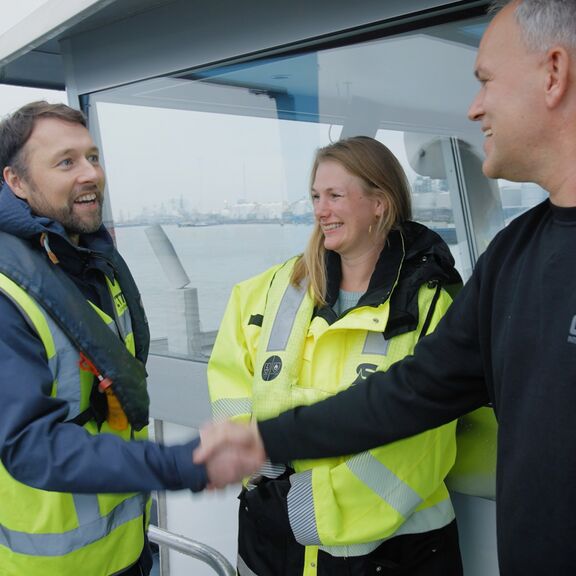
(220, 159)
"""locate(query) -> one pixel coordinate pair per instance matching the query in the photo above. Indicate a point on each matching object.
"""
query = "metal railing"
(201, 552)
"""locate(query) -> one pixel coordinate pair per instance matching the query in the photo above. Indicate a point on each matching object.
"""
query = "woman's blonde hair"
(382, 177)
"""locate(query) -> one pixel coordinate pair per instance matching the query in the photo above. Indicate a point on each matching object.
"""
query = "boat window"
(208, 171)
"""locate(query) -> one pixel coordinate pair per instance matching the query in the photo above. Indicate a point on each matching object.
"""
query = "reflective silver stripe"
(243, 569)
(87, 508)
(272, 470)
(428, 519)
(285, 317)
(301, 509)
(53, 365)
(421, 521)
(352, 550)
(61, 544)
(120, 325)
(67, 369)
(112, 325)
(385, 483)
(268, 470)
(228, 407)
(375, 344)
(124, 323)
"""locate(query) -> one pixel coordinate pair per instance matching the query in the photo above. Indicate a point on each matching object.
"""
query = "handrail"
(201, 552)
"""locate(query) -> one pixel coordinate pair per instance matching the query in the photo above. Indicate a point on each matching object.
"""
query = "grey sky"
(12, 97)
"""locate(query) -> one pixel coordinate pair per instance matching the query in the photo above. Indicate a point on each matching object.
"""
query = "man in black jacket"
(510, 337)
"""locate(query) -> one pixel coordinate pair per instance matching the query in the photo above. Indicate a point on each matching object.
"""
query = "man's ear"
(557, 75)
(15, 182)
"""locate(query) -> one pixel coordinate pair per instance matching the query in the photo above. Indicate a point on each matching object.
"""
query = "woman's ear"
(380, 207)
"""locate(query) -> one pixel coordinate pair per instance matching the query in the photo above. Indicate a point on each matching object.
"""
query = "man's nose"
(475, 111)
(90, 172)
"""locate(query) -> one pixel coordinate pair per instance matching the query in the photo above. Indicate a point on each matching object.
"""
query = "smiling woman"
(370, 284)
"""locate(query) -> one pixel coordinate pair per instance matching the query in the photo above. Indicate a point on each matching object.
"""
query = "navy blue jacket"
(37, 446)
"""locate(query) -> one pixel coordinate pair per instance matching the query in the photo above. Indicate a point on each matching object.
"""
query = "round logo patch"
(272, 367)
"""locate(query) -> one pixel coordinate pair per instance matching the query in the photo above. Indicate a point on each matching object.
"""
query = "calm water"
(214, 257)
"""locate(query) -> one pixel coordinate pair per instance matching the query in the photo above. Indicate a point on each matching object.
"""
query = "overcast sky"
(12, 97)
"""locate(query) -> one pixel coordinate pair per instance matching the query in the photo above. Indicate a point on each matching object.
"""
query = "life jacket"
(44, 533)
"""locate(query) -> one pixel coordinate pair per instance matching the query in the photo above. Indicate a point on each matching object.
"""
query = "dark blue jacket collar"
(96, 252)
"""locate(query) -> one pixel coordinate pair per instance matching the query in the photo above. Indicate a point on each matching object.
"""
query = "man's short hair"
(16, 128)
(544, 23)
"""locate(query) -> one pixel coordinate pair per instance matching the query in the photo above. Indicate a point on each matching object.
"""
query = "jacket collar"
(16, 218)
(413, 255)
(382, 280)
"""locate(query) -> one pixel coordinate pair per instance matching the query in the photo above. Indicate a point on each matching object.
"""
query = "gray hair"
(544, 23)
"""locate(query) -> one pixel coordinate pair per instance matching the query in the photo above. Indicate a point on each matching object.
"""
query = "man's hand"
(230, 452)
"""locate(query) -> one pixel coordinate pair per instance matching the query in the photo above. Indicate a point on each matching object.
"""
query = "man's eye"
(65, 163)
(94, 159)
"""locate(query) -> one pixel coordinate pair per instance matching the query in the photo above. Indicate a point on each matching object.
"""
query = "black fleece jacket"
(509, 339)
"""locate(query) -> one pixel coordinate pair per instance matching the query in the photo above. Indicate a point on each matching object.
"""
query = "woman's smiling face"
(343, 210)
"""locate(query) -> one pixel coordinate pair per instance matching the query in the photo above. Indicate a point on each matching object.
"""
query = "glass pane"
(517, 197)
(208, 172)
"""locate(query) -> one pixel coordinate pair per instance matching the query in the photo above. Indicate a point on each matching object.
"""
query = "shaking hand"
(230, 452)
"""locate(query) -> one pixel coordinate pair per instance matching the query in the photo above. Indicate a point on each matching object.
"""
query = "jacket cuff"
(275, 434)
(193, 476)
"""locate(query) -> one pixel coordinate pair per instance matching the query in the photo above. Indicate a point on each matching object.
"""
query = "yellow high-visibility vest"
(45, 533)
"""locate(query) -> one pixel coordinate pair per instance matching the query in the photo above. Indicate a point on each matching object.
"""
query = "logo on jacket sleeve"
(364, 371)
(272, 367)
(572, 332)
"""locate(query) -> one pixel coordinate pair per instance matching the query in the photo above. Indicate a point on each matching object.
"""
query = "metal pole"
(161, 505)
(201, 552)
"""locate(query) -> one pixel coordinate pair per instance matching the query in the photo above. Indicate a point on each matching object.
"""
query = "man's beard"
(71, 222)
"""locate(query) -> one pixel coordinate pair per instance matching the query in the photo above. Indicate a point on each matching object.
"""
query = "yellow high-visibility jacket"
(275, 351)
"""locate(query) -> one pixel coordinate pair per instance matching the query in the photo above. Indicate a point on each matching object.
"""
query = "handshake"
(230, 452)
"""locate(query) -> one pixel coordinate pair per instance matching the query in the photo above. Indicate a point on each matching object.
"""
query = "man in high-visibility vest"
(74, 483)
